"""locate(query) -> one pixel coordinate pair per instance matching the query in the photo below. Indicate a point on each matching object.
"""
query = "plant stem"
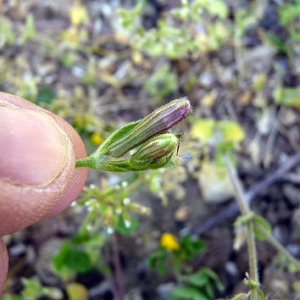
(252, 252)
(278, 246)
(240, 197)
(118, 267)
(85, 162)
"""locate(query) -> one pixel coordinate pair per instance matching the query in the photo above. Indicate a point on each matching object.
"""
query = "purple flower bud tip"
(175, 111)
(165, 117)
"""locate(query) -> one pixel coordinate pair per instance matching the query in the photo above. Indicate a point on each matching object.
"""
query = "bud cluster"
(150, 137)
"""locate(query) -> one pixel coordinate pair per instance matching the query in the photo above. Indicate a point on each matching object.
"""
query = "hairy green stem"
(240, 197)
(85, 162)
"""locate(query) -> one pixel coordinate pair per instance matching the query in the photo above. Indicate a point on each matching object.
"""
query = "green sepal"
(118, 137)
(126, 165)
(109, 164)
(152, 164)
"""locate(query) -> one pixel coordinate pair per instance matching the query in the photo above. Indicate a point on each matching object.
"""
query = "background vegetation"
(164, 233)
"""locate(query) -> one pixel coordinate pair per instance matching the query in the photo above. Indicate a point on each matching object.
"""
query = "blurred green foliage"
(177, 35)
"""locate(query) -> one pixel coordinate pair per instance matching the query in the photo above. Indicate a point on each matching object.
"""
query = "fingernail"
(33, 148)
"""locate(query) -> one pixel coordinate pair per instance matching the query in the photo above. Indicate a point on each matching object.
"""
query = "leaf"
(198, 279)
(187, 292)
(190, 246)
(203, 129)
(7, 34)
(240, 296)
(87, 238)
(157, 260)
(78, 261)
(77, 291)
(240, 238)
(288, 13)
(277, 41)
(218, 8)
(287, 96)
(231, 131)
(262, 222)
(11, 297)
(72, 258)
(259, 82)
(33, 287)
(45, 95)
(202, 279)
(128, 17)
(127, 225)
(28, 31)
(214, 277)
(242, 220)
(261, 295)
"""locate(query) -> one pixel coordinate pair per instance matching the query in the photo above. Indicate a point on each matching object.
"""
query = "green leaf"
(262, 222)
(203, 129)
(242, 220)
(88, 238)
(218, 8)
(77, 291)
(240, 296)
(203, 278)
(7, 35)
(11, 297)
(187, 292)
(287, 96)
(277, 41)
(78, 261)
(225, 146)
(157, 260)
(288, 13)
(190, 246)
(198, 279)
(127, 225)
(214, 277)
(261, 295)
(45, 95)
(231, 131)
(128, 17)
(28, 31)
(72, 258)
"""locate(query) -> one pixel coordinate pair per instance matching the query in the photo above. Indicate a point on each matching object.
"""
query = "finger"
(3, 264)
(37, 163)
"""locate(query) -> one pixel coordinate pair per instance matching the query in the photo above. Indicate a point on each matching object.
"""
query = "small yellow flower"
(96, 138)
(169, 242)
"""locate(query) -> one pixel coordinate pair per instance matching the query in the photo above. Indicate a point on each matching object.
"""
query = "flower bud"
(150, 134)
(159, 121)
(156, 152)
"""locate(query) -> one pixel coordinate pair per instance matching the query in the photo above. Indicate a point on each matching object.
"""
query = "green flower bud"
(156, 152)
(150, 134)
(136, 133)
